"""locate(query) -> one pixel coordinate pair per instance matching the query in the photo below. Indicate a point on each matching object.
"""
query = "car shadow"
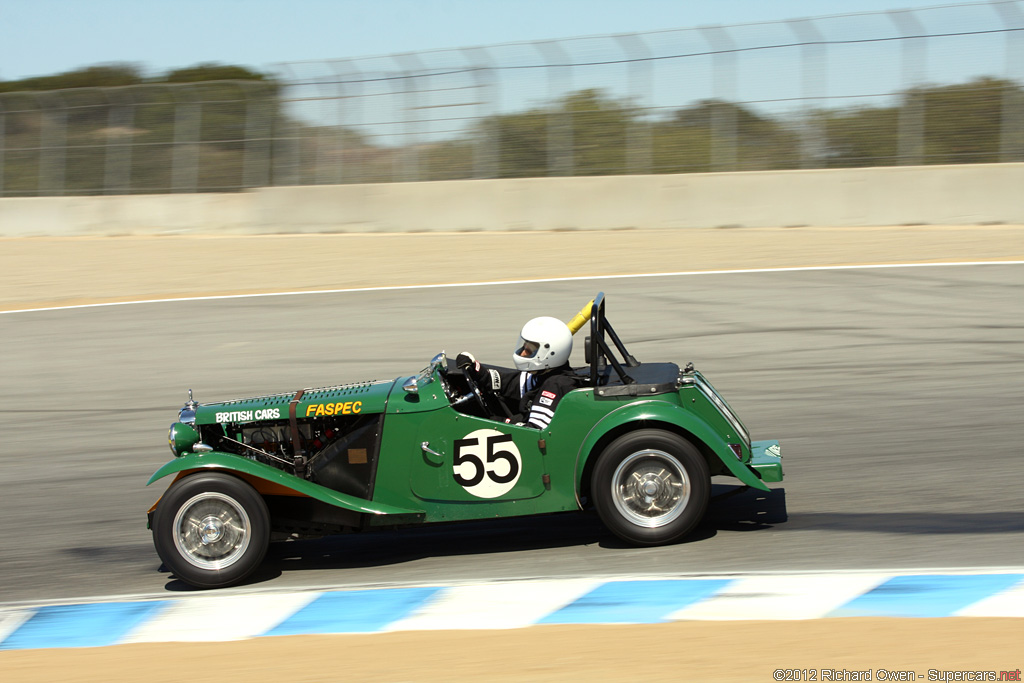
(740, 508)
(731, 508)
(385, 547)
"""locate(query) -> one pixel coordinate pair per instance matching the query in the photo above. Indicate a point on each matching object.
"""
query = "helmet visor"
(527, 349)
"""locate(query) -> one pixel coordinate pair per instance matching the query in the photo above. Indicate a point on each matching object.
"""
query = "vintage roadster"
(637, 441)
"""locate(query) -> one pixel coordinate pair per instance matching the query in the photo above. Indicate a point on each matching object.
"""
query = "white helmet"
(543, 343)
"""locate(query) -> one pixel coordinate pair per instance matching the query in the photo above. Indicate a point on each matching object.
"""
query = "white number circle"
(487, 463)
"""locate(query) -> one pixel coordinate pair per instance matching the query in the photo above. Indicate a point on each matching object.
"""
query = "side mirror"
(586, 350)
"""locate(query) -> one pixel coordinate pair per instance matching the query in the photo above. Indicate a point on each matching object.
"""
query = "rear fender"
(270, 480)
(643, 414)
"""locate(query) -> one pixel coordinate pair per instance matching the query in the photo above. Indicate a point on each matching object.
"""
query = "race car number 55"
(487, 463)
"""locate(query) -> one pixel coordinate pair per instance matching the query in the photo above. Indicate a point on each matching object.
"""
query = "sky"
(46, 37)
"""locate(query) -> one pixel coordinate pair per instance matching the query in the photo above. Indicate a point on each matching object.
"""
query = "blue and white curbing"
(225, 616)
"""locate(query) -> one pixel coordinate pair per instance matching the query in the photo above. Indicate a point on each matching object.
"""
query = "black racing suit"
(530, 397)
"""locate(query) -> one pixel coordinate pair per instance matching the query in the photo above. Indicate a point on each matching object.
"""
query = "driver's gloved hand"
(467, 363)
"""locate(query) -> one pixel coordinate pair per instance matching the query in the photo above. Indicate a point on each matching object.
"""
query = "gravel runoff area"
(46, 272)
(751, 652)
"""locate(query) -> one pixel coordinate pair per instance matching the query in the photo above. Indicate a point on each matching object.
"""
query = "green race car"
(637, 441)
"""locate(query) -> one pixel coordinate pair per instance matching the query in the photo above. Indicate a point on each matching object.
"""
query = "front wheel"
(651, 487)
(211, 530)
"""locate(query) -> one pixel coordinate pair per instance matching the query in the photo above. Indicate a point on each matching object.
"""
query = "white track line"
(493, 283)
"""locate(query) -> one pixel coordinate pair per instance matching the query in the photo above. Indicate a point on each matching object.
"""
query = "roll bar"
(598, 348)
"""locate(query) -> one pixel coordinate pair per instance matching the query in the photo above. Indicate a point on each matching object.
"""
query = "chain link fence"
(943, 84)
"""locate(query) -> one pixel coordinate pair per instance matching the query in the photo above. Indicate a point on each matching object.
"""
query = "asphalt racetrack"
(896, 393)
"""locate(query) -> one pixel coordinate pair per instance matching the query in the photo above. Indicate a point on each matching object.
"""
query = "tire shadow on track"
(731, 508)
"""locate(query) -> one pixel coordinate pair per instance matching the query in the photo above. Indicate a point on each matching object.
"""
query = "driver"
(542, 377)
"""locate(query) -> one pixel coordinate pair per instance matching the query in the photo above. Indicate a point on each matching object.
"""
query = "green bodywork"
(505, 470)
(229, 461)
(349, 399)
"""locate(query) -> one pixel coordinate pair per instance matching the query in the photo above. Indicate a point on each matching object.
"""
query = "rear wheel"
(651, 487)
(211, 530)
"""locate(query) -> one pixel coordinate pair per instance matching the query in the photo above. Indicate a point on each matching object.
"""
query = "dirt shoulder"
(44, 272)
(831, 649)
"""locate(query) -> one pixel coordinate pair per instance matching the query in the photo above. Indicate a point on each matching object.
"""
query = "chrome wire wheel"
(211, 530)
(650, 488)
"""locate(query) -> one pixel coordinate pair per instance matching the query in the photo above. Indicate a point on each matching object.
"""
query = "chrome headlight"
(181, 437)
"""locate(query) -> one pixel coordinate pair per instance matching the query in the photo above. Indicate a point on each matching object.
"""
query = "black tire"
(211, 530)
(651, 487)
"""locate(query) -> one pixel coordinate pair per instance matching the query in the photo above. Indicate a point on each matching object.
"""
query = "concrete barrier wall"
(935, 195)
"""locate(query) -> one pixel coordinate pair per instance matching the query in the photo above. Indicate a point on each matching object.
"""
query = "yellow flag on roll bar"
(581, 318)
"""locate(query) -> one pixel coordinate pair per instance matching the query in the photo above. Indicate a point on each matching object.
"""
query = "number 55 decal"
(487, 463)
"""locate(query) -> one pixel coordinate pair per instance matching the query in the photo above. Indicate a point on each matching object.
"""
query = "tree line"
(239, 115)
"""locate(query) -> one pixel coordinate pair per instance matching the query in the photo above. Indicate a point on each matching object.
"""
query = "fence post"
(1011, 132)
(486, 146)
(185, 159)
(117, 161)
(3, 143)
(286, 154)
(560, 124)
(325, 172)
(638, 132)
(52, 146)
(915, 59)
(813, 91)
(724, 144)
(256, 156)
(346, 102)
(410, 154)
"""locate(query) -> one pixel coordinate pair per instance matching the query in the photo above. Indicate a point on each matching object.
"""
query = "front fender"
(662, 411)
(250, 468)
